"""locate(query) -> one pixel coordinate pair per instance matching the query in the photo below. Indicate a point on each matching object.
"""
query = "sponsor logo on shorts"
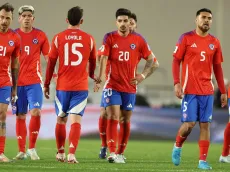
(107, 100)
(185, 115)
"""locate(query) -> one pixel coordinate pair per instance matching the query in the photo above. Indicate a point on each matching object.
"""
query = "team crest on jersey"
(11, 43)
(133, 46)
(35, 41)
(211, 46)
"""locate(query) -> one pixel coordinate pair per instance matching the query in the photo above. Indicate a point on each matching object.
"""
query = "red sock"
(60, 134)
(21, 133)
(180, 140)
(74, 137)
(102, 129)
(2, 144)
(34, 127)
(111, 132)
(226, 144)
(123, 137)
(203, 145)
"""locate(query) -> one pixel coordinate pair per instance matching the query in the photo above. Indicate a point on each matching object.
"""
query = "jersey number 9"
(74, 51)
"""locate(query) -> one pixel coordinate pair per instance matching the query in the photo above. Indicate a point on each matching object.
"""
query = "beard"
(204, 28)
(3, 28)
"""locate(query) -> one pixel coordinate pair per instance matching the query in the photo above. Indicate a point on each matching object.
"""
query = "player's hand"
(224, 100)
(137, 80)
(178, 90)
(47, 92)
(14, 96)
(96, 87)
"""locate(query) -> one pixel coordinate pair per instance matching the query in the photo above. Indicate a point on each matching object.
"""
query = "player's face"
(5, 20)
(204, 21)
(26, 19)
(133, 25)
(123, 23)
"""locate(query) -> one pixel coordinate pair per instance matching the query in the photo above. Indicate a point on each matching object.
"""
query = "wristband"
(143, 76)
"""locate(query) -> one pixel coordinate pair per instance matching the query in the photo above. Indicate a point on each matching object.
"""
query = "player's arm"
(92, 60)
(218, 72)
(45, 51)
(178, 56)
(150, 66)
(52, 59)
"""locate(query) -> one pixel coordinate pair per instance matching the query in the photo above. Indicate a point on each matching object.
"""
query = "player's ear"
(81, 21)
(67, 21)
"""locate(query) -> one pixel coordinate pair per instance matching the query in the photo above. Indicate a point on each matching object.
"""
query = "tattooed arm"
(14, 74)
(150, 66)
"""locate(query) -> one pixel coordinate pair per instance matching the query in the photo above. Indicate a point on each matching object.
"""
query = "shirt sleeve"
(92, 58)
(144, 49)
(17, 50)
(45, 46)
(106, 46)
(53, 53)
(180, 48)
(218, 57)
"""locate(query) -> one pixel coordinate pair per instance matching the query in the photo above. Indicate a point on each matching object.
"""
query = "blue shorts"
(197, 108)
(31, 95)
(5, 94)
(102, 100)
(112, 97)
(70, 102)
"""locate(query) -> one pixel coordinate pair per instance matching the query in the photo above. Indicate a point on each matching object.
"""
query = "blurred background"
(161, 22)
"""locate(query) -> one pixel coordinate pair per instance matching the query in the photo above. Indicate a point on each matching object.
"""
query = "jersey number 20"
(74, 46)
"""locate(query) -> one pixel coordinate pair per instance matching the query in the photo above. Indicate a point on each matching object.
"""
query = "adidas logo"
(115, 46)
(34, 132)
(194, 45)
(36, 104)
(19, 137)
(130, 105)
(71, 145)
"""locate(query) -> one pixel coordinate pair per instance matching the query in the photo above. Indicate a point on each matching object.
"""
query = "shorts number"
(185, 106)
(108, 92)
(74, 51)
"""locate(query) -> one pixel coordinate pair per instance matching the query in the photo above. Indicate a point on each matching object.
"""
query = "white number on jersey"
(74, 51)
(175, 49)
(123, 55)
(202, 53)
(27, 50)
(2, 51)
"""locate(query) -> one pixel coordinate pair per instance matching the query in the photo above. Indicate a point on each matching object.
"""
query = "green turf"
(141, 156)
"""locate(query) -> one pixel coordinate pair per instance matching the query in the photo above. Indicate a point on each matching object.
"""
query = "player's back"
(75, 47)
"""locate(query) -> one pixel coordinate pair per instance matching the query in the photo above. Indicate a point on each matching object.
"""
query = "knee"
(61, 120)
(190, 125)
(103, 113)
(36, 112)
(204, 126)
(2, 115)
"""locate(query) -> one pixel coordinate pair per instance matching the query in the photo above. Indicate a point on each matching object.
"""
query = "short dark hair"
(123, 12)
(7, 7)
(203, 10)
(75, 15)
(133, 16)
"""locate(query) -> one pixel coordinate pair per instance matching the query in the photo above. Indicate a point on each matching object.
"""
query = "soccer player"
(34, 42)
(74, 48)
(9, 53)
(102, 125)
(122, 49)
(225, 156)
(199, 52)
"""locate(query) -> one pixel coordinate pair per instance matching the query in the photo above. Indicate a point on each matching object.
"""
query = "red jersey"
(75, 48)
(33, 44)
(198, 54)
(123, 55)
(9, 48)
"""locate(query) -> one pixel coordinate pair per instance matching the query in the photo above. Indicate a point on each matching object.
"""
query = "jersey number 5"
(74, 51)
(202, 53)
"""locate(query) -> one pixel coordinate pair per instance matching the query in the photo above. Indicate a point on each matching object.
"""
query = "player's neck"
(26, 29)
(123, 34)
(4, 31)
(201, 33)
(74, 27)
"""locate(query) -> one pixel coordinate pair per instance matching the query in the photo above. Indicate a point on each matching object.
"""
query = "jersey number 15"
(74, 50)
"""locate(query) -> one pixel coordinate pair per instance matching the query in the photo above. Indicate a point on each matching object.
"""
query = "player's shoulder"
(213, 38)
(108, 34)
(14, 33)
(39, 31)
(138, 35)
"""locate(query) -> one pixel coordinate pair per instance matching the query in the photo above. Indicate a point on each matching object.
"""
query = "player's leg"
(20, 108)
(62, 103)
(112, 100)
(225, 158)
(35, 99)
(205, 118)
(102, 125)
(128, 102)
(5, 93)
(188, 119)
(76, 110)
